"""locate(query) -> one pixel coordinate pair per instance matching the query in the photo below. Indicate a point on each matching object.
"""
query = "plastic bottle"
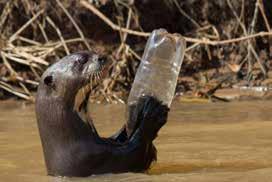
(159, 69)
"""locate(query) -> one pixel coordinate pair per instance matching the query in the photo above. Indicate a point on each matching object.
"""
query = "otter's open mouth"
(82, 97)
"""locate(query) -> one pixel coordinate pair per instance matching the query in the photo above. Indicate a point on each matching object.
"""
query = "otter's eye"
(83, 59)
(102, 60)
(48, 80)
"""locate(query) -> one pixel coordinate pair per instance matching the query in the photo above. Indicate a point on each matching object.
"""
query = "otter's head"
(70, 80)
(61, 105)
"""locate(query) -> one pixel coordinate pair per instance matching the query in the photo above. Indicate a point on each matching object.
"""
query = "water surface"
(201, 142)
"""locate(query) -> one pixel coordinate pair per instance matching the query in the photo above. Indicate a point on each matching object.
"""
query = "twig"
(14, 73)
(34, 71)
(192, 47)
(27, 81)
(74, 23)
(21, 79)
(19, 60)
(124, 38)
(250, 46)
(251, 49)
(254, 19)
(50, 21)
(25, 88)
(30, 57)
(6, 63)
(14, 36)
(134, 53)
(229, 41)
(10, 89)
(29, 41)
(118, 99)
(41, 27)
(261, 6)
(58, 44)
(43, 32)
(185, 14)
(5, 12)
(109, 22)
(188, 39)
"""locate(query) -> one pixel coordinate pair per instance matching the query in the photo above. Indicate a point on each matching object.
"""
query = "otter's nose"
(102, 60)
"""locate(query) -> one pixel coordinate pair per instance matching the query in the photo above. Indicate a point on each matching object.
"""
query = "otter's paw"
(153, 114)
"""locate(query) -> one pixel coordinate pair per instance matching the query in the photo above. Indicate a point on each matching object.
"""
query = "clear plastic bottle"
(159, 69)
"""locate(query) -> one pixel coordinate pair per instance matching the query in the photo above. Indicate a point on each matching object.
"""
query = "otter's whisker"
(97, 76)
(91, 80)
(94, 77)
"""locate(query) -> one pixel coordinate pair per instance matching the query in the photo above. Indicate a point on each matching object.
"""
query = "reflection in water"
(201, 142)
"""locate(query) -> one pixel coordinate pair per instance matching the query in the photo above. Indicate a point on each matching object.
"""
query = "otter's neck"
(58, 119)
(60, 127)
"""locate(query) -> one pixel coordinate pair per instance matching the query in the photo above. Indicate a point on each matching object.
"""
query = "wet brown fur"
(72, 147)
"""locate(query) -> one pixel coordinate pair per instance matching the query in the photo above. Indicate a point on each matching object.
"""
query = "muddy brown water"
(201, 142)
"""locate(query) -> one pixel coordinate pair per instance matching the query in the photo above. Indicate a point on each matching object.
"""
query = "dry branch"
(188, 39)
(75, 24)
(14, 36)
(32, 46)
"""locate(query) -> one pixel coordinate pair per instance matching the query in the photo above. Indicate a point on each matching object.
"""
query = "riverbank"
(228, 42)
(221, 95)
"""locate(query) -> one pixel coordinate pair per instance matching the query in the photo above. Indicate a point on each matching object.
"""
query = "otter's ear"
(48, 80)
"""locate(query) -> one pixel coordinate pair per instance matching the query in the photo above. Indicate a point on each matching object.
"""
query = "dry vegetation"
(229, 41)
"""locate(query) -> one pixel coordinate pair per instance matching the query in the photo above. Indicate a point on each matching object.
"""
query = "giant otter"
(71, 145)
